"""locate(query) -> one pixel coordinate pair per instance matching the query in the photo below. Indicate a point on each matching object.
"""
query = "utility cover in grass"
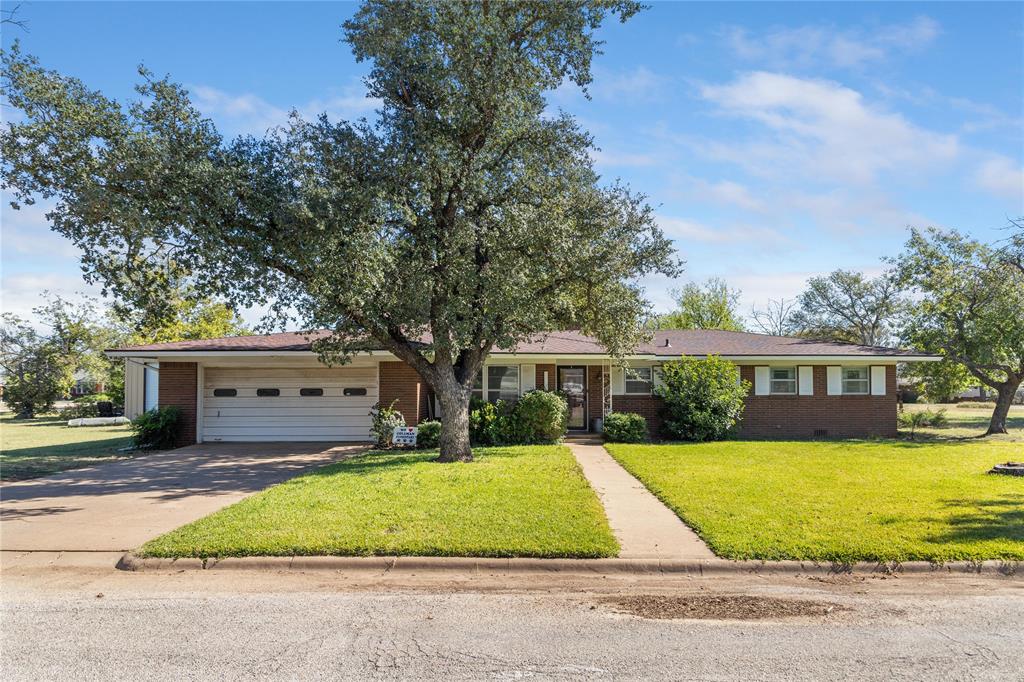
(510, 502)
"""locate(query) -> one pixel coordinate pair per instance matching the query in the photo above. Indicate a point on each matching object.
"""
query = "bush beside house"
(703, 398)
(625, 427)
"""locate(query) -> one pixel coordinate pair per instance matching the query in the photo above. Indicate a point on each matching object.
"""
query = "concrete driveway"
(119, 506)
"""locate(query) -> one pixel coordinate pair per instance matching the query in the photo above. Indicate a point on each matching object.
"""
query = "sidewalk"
(644, 527)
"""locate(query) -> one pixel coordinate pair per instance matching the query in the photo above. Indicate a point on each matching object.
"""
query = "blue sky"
(776, 140)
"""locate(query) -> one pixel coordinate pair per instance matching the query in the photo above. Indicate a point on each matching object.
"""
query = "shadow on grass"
(384, 460)
(999, 519)
(92, 448)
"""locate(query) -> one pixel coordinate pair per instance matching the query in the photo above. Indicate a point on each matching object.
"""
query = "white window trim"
(626, 380)
(866, 380)
(795, 380)
(484, 389)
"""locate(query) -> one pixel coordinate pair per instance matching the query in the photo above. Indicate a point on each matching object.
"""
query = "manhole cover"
(1008, 469)
(725, 607)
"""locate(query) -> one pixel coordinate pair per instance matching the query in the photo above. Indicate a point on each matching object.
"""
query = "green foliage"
(712, 305)
(940, 382)
(848, 307)
(37, 370)
(467, 210)
(935, 419)
(489, 423)
(968, 309)
(428, 434)
(703, 398)
(156, 429)
(539, 417)
(80, 410)
(384, 422)
(625, 427)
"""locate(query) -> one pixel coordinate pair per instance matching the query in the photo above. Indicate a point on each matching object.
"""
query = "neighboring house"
(86, 385)
(273, 387)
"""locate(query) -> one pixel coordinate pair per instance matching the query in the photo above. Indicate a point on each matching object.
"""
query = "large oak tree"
(465, 217)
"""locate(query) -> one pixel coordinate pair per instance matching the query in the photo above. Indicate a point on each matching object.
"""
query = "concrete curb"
(471, 565)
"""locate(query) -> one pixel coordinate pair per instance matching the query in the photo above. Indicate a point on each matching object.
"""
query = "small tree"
(704, 398)
(970, 310)
(712, 305)
(38, 370)
(777, 318)
(849, 307)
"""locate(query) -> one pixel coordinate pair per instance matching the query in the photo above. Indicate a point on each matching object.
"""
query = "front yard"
(967, 420)
(840, 501)
(30, 448)
(513, 501)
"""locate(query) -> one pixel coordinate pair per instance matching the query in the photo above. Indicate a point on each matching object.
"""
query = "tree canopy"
(849, 307)
(711, 305)
(467, 216)
(970, 309)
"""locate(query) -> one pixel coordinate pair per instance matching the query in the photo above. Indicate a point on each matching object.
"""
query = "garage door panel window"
(855, 381)
(225, 392)
(311, 392)
(268, 392)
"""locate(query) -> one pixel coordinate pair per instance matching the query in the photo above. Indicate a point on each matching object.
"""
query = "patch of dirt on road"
(719, 607)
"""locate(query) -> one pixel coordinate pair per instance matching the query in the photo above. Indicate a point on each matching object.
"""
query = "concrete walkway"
(644, 527)
(119, 506)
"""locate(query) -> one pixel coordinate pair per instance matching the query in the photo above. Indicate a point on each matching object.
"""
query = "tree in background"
(712, 305)
(940, 382)
(777, 319)
(467, 217)
(1013, 250)
(970, 310)
(848, 307)
(37, 371)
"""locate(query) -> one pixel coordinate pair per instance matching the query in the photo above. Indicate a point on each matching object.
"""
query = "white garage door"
(248, 404)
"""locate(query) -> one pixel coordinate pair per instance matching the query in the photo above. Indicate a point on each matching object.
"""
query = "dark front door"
(572, 381)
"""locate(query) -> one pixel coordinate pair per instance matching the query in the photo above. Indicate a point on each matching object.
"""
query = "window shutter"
(527, 378)
(656, 375)
(878, 380)
(805, 378)
(835, 380)
(761, 381)
(618, 381)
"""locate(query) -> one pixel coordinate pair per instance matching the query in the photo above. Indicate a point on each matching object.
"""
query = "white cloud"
(27, 232)
(810, 45)
(249, 113)
(637, 85)
(688, 230)
(1002, 177)
(725, 192)
(821, 129)
(22, 292)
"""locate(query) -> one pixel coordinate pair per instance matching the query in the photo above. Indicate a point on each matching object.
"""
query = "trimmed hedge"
(625, 427)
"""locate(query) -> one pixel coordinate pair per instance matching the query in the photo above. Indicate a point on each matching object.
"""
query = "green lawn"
(840, 501)
(516, 501)
(30, 448)
(967, 420)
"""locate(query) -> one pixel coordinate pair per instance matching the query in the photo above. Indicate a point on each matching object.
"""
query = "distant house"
(86, 385)
(273, 387)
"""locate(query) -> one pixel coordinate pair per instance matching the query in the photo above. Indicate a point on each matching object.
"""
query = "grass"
(840, 501)
(510, 502)
(968, 420)
(30, 448)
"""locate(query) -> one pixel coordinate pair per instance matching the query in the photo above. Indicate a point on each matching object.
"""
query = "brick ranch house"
(273, 387)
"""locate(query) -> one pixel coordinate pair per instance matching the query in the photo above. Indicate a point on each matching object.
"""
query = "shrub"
(920, 419)
(79, 410)
(976, 405)
(703, 398)
(538, 417)
(92, 399)
(625, 427)
(385, 421)
(156, 428)
(428, 435)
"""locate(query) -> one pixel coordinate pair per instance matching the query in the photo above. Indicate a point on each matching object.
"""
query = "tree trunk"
(454, 401)
(1004, 399)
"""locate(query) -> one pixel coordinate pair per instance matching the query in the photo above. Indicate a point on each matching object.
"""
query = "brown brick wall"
(552, 377)
(178, 385)
(399, 381)
(842, 416)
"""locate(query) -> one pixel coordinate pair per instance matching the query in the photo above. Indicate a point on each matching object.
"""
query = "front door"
(572, 381)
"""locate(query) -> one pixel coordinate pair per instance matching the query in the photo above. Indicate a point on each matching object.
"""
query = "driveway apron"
(119, 506)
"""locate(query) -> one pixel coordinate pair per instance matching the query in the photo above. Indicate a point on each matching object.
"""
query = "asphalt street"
(91, 622)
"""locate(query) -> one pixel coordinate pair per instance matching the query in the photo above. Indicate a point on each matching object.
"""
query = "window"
(502, 383)
(783, 381)
(225, 392)
(311, 392)
(354, 391)
(638, 380)
(268, 392)
(855, 381)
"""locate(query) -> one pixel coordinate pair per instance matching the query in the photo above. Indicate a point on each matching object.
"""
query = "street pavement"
(83, 622)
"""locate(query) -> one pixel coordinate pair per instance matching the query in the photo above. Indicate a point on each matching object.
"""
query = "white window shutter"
(618, 381)
(761, 381)
(835, 380)
(805, 378)
(527, 378)
(656, 375)
(878, 380)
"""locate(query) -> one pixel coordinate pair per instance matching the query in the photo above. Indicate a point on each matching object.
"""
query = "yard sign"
(404, 435)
